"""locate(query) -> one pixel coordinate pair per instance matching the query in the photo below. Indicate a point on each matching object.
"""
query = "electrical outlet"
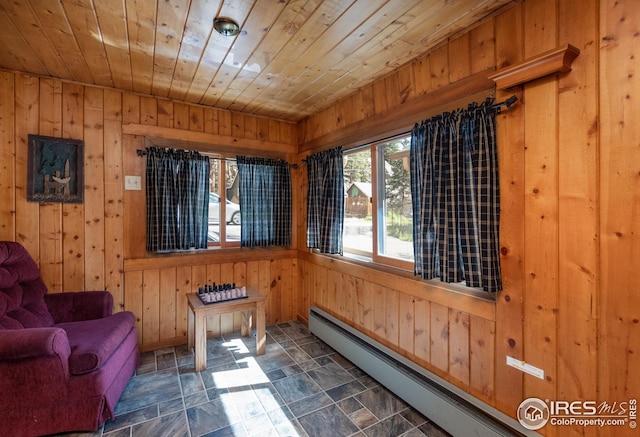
(132, 183)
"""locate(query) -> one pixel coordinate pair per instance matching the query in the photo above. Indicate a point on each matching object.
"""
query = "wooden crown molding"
(557, 60)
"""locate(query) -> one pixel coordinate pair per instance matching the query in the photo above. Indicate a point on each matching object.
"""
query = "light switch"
(132, 183)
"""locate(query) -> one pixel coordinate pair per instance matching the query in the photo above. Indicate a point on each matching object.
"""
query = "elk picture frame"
(55, 170)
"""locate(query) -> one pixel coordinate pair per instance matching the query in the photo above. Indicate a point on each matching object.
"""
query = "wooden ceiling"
(291, 59)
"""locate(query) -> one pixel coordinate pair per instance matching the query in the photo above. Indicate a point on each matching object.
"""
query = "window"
(378, 213)
(224, 202)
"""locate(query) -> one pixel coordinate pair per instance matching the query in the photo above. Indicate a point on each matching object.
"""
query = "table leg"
(245, 328)
(200, 352)
(190, 328)
(261, 337)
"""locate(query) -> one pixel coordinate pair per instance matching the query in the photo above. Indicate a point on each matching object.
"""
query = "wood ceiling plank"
(111, 16)
(317, 28)
(388, 23)
(340, 30)
(82, 19)
(170, 22)
(255, 28)
(55, 25)
(26, 21)
(141, 19)
(217, 49)
(293, 57)
(197, 32)
(14, 51)
(290, 20)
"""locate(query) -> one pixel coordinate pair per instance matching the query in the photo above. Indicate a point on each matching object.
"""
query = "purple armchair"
(65, 359)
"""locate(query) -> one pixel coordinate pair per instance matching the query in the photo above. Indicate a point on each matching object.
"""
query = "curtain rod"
(141, 152)
(508, 103)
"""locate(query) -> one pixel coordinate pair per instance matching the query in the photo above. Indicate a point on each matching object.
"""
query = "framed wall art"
(55, 170)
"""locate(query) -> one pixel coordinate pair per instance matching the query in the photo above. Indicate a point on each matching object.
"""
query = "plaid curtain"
(456, 197)
(265, 202)
(177, 188)
(325, 201)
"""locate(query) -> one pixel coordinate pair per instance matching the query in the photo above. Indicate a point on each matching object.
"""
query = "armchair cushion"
(93, 341)
(20, 309)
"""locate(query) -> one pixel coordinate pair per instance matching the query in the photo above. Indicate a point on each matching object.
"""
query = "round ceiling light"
(226, 26)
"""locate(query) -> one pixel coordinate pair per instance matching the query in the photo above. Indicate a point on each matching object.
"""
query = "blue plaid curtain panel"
(265, 202)
(177, 191)
(456, 197)
(325, 201)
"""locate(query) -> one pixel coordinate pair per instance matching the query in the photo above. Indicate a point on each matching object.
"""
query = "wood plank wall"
(99, 244)
(570, 224)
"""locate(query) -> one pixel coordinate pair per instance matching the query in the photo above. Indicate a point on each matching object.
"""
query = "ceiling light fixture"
(226, 26)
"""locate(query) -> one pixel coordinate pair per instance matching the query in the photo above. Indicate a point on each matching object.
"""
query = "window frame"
(222, 209)
(376, 152)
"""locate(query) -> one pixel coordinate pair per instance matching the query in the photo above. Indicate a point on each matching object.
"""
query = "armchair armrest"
(78, 306)
(22, 344)
(34, 367)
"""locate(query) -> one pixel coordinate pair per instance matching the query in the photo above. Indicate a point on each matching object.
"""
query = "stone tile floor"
(299, 387)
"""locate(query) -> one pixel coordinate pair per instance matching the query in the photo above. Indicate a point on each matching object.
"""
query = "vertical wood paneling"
(578, 181)
(481, 366)
(541, 206)
(133, 299)
(275, 290)
(181, 116)
(113, 198)
(439, 331)
(150, 306)
(73, 232)
(406, 325)
(482, 46)
(459, 346)
(422, 333)
(460, 58)
(7, 156)
(511, 153)
(94, 213)
(50, 124)
(213, 322)
(167, 310)
(439, 61)
(184, 286)
(618, 320)
(226, 277)
(148, 111)
(26, 122)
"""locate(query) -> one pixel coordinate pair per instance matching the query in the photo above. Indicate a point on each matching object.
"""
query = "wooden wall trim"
(557, 60)
(214, 256)
(403, 117)
(224, 143)
(443, 294)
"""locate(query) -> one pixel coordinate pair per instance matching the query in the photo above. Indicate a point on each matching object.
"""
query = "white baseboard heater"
(454, 410)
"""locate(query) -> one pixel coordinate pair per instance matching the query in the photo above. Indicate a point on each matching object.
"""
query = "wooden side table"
(197, 313)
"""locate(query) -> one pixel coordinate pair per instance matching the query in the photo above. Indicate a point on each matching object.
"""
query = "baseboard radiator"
(454, 410)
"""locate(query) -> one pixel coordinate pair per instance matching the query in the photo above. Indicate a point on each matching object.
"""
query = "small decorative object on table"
(214, 293)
